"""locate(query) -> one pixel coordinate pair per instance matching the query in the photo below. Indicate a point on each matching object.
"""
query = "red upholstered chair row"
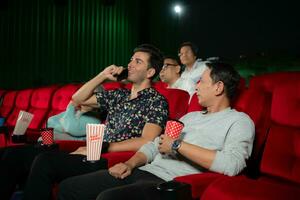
(8, 103)
(280, 168)
(256, 102)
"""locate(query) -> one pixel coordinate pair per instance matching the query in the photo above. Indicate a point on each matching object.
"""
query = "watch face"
(176, 144)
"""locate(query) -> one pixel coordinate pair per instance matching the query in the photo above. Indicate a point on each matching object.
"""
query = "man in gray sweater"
(218, 139)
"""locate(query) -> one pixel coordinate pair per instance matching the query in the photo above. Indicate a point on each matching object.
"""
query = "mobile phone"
(123, 75)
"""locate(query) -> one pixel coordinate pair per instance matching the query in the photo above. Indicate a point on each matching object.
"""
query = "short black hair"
(227, 74)
(178, 62)
(193, 47)
(155, 56)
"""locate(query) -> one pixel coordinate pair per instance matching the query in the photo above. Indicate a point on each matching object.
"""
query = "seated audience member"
(194, 67)
(71, 124)
(134, 118)
(219, 139)
(170, 74)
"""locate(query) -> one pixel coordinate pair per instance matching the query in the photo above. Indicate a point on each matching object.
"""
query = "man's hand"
(165, 144)
(110, 72)
(120, 170)
(80, 151)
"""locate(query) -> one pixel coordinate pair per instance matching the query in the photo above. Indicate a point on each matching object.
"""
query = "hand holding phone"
(123, 75)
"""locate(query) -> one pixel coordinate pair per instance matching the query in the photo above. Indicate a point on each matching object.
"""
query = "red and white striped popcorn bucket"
(23, 121)
(174, 128)
(47, 136)
(94, 139)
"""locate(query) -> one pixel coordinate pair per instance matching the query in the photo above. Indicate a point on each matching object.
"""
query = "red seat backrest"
(61, 99)
(112, 85)
(159, 85)
(194, 104)
(255, 103)
(39, 105)
(178, 101)
(8, 103)
(22, 103)
(281, 156)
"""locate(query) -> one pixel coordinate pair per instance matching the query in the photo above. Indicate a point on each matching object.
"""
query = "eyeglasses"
(165, 66)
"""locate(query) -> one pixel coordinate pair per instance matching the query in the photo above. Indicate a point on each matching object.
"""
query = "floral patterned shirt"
(127, 117)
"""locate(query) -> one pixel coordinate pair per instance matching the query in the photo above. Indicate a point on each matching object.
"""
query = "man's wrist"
(130, 165)
(176, 145)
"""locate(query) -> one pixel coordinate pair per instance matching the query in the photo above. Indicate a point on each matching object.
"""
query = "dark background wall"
(60, 41)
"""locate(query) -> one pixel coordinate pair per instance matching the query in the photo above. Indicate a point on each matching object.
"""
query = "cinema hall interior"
(149, 99)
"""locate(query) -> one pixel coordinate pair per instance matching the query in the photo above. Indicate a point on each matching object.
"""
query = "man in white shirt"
(194, 67)
(170, 74)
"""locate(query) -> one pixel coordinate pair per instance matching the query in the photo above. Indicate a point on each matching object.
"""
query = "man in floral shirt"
(134, 118)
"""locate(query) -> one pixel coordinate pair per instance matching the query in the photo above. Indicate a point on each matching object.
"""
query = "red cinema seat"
(61, 98)
(178, 101)
(8, 103)
(22, 103)
(2, 92)
(280, 165)
(256, 104)
(39, 107)
(194, 104)
(159, 85)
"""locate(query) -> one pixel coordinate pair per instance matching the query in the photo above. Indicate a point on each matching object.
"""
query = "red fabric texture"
(117, 157)
(194, 104)
(22, 103)
(39, 105)
(199, 182)
(8, 103)
(178, 101)
(243, 188)
(112, 85)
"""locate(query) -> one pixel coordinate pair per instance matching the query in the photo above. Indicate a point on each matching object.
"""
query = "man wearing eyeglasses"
(170, 74)
(134, 118)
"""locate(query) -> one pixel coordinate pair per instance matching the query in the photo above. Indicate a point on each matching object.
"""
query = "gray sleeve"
(150, 149)
(231, 160)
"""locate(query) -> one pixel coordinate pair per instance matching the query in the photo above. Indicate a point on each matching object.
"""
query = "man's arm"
(150, 131)
(122, 170)
(85, 94)
(230, 160)
(199, 155)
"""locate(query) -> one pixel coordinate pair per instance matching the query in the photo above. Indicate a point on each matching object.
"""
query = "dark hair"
(227, 74)
(193, 47)
(155, 56)
(177, 61)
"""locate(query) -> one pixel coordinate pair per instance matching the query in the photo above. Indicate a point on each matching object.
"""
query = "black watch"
(176, 145)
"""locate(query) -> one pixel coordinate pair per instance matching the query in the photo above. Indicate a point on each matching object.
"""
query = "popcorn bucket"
(94, 139)
(174, 128)
(23, 122)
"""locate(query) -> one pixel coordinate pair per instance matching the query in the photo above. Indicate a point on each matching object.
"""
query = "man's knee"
(65, 190)
(42, 160)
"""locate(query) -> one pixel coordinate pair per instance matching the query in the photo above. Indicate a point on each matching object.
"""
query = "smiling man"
(219, 139)
(134, 118)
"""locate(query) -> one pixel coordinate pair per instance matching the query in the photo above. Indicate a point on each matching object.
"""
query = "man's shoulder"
(241, 116)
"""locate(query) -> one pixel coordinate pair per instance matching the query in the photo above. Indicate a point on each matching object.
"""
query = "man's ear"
(150, 72)
(220, 88)
(178, 68)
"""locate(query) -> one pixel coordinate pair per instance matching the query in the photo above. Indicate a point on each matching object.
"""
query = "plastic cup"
(47, 136)
(174, 128)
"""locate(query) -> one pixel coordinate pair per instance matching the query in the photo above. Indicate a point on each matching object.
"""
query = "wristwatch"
(176, 145)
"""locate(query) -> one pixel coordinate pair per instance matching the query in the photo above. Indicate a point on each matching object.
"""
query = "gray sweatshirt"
(229, 132)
